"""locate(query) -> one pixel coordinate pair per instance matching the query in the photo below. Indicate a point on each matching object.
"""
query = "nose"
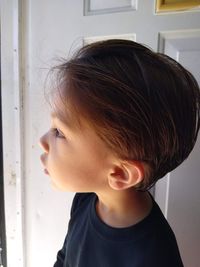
(44, 143)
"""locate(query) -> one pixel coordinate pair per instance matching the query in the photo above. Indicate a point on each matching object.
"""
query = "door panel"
(95, 7)
(183, 184)
(48, 29)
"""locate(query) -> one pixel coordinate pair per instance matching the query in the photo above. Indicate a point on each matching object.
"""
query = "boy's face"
(76, 160)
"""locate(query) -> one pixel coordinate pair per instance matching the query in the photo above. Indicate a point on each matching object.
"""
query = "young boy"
(123, 116)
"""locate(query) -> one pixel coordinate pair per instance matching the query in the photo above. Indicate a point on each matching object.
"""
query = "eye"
(57, 133)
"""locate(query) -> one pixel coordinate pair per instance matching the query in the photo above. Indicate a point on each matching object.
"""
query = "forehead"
(60, 108)
(67, 110)
(70, 117)
(65, 119)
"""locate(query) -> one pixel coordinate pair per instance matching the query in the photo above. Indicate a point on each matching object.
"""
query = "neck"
(123, 208)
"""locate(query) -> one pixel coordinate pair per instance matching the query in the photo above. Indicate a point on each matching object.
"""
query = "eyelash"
(57, 133)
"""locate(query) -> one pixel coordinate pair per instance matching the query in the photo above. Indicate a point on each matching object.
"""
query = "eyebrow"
(53, 115)
(66, 120)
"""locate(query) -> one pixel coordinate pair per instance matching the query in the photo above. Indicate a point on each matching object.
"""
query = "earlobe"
(127, 175)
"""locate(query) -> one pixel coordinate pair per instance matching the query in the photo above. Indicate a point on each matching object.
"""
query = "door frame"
(13, 82)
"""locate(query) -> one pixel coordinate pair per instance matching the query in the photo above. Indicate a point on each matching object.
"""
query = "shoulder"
(80, 200)
(161, 244)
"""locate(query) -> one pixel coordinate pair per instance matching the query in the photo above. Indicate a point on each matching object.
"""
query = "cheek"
(77, 168)
(64, 161)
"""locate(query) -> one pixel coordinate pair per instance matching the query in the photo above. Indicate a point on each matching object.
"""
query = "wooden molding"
(175, 5)
(104, 7)
(88, 40)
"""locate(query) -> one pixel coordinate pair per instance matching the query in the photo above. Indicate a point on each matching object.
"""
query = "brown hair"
(144, 105)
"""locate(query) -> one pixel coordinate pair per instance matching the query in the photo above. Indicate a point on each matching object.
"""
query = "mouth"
(42, 161)
(46, 172)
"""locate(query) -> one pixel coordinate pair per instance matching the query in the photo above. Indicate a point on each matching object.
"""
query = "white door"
(34, 32)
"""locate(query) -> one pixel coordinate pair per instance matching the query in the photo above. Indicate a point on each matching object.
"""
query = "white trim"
(167, 195)
(88, 11)
(173, 37)
(13, 128)
(162, 194)
(172, 43)
(129, 36)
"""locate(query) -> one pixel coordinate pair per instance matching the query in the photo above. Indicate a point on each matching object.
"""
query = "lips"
(43, 160)
(46, 172)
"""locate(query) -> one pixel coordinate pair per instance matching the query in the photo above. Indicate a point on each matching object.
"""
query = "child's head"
(144, 105)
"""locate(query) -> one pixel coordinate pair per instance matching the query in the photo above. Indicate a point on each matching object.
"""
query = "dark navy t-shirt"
(92, 243)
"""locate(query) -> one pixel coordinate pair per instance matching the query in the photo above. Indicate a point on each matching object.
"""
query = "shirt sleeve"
(61, 256)
(61, 253)
(79, 198)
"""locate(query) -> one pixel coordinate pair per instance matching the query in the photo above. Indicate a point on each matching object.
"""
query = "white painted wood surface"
(33, 33)
(13, 129)
(182, 202)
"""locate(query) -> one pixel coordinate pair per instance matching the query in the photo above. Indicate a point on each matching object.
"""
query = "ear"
(126, 175)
